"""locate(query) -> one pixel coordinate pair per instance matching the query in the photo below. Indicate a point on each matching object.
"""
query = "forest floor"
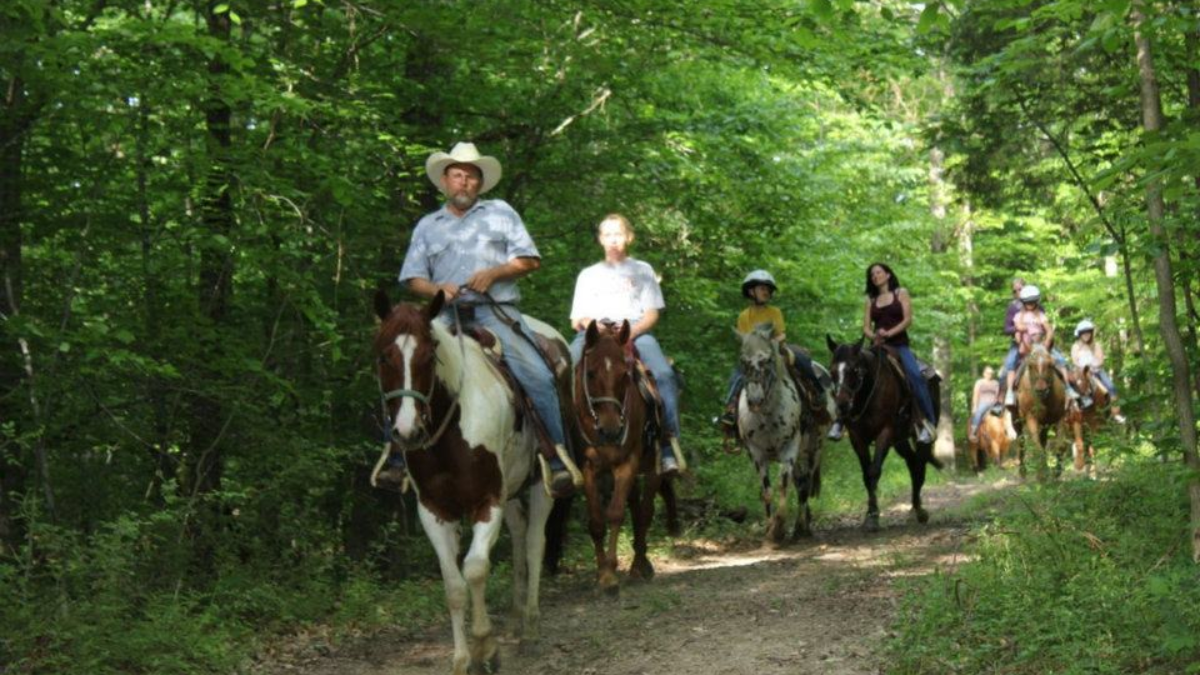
(822, 605)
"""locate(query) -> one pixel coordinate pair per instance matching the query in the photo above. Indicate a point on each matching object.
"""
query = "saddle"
(813, 406)
(494, 350)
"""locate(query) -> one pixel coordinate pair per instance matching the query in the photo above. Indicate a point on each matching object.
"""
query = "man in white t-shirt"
(618, 289)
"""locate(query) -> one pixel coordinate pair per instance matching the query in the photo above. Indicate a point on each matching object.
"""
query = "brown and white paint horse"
(1085, 422)
(613, 420)
(470, 459)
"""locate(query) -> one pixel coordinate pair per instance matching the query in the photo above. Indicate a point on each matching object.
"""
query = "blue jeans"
(1010, 362)
(656, 362)
(525, 362)
(1106, 381)
(736, 380)
(917, 381)
(977, 416)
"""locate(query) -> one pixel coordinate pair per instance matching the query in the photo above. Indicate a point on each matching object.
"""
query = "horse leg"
(787, 469)
(444, 537)
(916, 473)
(643, 515)
(764, 482)
(540, 506)
(623, 480)
(596, 527)
(485, 652)
(514, 518)
(1077, 446)
(804, 478)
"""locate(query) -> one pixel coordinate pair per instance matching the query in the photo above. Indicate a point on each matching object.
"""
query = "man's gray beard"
(462, 201)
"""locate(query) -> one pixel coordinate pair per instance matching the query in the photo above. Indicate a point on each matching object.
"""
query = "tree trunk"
(943, 448)
(966, 252)
(204, 461)
(1152, 121)
(13, 471)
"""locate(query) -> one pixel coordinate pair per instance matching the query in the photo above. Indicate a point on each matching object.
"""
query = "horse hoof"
(871, 523)
(641, 569)
(922, 516)
(609, 583)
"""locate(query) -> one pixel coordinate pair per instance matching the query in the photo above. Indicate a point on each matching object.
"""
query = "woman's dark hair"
(893, 281)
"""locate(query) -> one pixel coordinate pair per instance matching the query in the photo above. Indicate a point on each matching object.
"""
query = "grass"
(1073, 577)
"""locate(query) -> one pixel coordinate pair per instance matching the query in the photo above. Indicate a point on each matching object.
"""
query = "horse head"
(762, 362)
(606, 381)
(406, 349)
(850, 370)
(1040, 367)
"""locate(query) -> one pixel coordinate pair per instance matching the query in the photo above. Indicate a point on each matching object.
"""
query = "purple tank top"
(888, 316)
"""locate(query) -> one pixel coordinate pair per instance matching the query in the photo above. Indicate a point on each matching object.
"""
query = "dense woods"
(197, 200)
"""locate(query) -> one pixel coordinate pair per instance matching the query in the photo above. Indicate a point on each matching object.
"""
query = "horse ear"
(435, 305)
(623, 336)
(383, 305)
(831, 344)
(593, 334)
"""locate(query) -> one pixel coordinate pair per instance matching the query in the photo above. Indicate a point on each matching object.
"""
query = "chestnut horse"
(616, 425)
(1085, 422)
(991, 443)
(875, 404)
(1041, 404)
(471, 457)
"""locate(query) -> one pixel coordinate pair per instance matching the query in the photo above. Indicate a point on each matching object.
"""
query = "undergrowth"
(1074, 577)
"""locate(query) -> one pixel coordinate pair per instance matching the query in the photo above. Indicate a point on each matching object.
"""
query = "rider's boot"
(925, 432)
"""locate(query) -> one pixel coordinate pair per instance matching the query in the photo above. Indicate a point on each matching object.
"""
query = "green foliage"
(1080, 577)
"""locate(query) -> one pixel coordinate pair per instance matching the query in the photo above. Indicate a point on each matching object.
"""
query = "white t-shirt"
(616, 291)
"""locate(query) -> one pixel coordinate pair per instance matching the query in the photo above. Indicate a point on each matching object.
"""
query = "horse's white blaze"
(841, 374)
(607, 365)
(406, 418)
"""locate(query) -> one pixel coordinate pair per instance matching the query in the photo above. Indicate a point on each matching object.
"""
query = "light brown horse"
(617, 428)
(991, 442)
(1085, 422)
(1041, 405)
(471, 457)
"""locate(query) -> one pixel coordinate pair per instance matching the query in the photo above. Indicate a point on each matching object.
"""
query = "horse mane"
(456, 364)
(758, 341)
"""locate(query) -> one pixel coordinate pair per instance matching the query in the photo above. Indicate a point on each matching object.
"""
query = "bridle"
(422, 397)
(854, 417)
(591, 401)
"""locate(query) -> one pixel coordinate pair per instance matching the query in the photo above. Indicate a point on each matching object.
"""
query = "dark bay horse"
(875, 405)
(1042, 405)
(1085, 422)
(620, 440)
(471, 458)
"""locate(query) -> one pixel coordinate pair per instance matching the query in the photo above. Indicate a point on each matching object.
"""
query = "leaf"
(221, 8)
(929, 17)
(64, 347)
(297, 4)
(233, 16)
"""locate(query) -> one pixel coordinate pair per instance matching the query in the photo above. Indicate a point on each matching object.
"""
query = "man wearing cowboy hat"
(474, 251)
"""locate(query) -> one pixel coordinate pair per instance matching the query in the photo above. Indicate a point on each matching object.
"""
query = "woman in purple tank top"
(886, 317)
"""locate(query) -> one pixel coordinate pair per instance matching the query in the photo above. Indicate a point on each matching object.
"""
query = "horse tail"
(556, 534)
(666, 488)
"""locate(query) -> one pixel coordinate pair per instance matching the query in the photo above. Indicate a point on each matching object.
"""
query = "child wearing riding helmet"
(1087, 352)
(759, 288)
(1033, 327)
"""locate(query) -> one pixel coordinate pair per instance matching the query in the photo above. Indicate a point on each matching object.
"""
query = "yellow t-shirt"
(756, 314)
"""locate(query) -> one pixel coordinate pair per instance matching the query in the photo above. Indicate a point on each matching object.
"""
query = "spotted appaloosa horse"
(620, 440)
(471, 459)
(1042, 405)
(1085, 422)
(875, 404)
(773, 426)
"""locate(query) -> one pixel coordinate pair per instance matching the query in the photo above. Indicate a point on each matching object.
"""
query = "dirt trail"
(820, 606)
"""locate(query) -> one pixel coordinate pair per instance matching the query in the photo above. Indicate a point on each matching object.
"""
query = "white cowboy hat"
(463, 153)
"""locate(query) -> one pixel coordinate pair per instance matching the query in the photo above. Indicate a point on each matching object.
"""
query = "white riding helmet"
(1084, 326)
(1030, 294)
(758, 278)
